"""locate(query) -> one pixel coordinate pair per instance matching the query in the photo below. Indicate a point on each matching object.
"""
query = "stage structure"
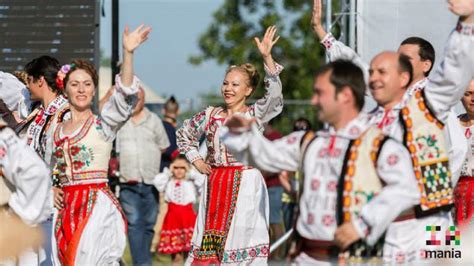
(61, 28)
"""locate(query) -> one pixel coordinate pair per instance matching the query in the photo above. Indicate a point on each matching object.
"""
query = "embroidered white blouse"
(182, 192)
(209, 122)
(468, 166)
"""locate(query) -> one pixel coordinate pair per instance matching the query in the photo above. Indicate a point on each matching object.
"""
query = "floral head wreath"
(62, 74)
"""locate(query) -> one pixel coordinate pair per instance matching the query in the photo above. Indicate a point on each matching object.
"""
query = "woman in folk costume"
(464, 193)
(91, 228)
(232, 224)
(181, 186)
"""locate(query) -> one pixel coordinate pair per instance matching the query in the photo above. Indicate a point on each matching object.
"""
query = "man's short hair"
(404, 65)
(345, 73)
(171, 105)
(426, 50)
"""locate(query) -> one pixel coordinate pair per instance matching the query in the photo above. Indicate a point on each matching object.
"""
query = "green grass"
(157, 259)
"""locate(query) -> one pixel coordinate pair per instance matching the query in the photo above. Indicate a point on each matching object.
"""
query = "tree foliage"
(229, 40)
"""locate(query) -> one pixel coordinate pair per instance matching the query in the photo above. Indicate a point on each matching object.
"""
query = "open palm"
(316, 17)
(269, 39)
(131, 40)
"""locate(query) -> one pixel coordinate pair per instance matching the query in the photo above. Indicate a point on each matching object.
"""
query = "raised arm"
(334, 48)
(30, 177)
(271, 104)
(447, 84)
(119, 106)
(248, 145)
(131, 41)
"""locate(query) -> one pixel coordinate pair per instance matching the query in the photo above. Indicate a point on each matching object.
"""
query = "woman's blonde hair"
(251, 72)
(22, 76)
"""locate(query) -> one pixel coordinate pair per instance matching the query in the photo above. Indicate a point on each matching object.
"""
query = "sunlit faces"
(235, 87)
(324, 99)
(468, 98)
(419, 66)
(386, 83)
(35, 87)
(80, 89)
(179, 168)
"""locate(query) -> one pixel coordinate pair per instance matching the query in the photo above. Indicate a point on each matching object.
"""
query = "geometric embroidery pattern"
(221, 200)
(436, 180)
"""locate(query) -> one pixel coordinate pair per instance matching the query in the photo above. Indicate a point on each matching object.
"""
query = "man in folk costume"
(422, 56)
(24, 186)
(45, 85)
(351, 170)
(419, 121)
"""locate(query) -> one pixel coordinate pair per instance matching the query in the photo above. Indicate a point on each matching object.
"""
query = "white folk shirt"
(322, 166)
(181, 192)
(209, 122)
(468, 166)
(443, 90)
(29, 177)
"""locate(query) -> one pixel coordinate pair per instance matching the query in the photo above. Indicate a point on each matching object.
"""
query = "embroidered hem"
(234, 255)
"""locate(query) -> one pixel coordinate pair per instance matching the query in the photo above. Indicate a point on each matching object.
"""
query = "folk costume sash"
(359, 184)
(221, 199)
(423, 136)
(79, 201)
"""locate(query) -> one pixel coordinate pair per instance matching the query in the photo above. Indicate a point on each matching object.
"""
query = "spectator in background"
(170, 113)
(140, 144)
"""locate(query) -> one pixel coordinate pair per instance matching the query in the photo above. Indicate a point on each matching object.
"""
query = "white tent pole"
(352, 24)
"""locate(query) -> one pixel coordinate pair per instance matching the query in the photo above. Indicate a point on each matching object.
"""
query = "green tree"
(229, 40)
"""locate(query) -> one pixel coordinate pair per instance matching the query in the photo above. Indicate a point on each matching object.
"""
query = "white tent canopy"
(105, 81)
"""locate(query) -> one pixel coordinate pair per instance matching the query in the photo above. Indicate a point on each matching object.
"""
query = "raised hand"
(269, 39)
(316, 19)
(131, 40)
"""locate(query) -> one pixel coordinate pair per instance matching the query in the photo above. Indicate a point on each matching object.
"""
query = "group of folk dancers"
(372, 180)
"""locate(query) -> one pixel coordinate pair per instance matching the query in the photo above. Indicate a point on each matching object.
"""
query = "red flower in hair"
(174, 154)
(62, 74)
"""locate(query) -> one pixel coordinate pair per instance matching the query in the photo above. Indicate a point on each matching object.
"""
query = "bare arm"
(131, 41)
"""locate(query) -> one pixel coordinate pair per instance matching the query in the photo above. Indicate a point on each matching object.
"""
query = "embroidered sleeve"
(28, 174)
(337, 50)
(162, 179)
(271, 105)
(451, 78)
(400, 192)
(118, 108)
(187, 137)
(252, 148)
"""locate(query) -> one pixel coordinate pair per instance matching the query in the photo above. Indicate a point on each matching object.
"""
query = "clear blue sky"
(162, 62)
